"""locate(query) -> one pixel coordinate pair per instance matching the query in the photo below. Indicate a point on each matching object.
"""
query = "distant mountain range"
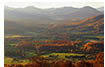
(32, 18)
(42, 16)
(101, 9)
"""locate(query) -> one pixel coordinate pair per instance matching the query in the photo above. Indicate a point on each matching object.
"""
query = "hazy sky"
(54, 4)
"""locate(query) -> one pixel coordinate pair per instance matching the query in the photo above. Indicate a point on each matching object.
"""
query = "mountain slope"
(94, 23)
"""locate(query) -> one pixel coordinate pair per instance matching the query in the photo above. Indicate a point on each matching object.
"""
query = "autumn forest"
(54, 37)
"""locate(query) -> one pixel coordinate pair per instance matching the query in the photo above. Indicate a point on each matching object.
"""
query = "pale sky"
(44, 5)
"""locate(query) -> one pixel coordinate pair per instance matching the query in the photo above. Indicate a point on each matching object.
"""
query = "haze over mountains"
(21, 19)
(101, 9)
(33, 14)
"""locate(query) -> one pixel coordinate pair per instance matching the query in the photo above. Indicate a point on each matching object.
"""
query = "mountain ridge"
(74, 14)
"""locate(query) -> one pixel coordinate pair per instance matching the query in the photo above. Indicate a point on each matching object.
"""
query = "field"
(95, 36)
(62, 54)
(59, 56)
(9, 60)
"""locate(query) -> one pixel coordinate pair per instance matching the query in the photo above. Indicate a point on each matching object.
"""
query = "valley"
(37, 38)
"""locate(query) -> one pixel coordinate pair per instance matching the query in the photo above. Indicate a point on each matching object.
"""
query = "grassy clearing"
(87, 32)
(13, 44)
(38, 39)
(13, 36)
(95, 36)
(62, 55)
(8, 60)
(30, 54)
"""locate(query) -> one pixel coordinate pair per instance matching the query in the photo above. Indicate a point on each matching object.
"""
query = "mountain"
(94, 23)
(20, 20)
(78, 14)
(28, 15)
(35, 15)
(101, 9)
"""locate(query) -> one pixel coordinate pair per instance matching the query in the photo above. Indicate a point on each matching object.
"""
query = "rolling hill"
(29, 19)
(94, 23)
